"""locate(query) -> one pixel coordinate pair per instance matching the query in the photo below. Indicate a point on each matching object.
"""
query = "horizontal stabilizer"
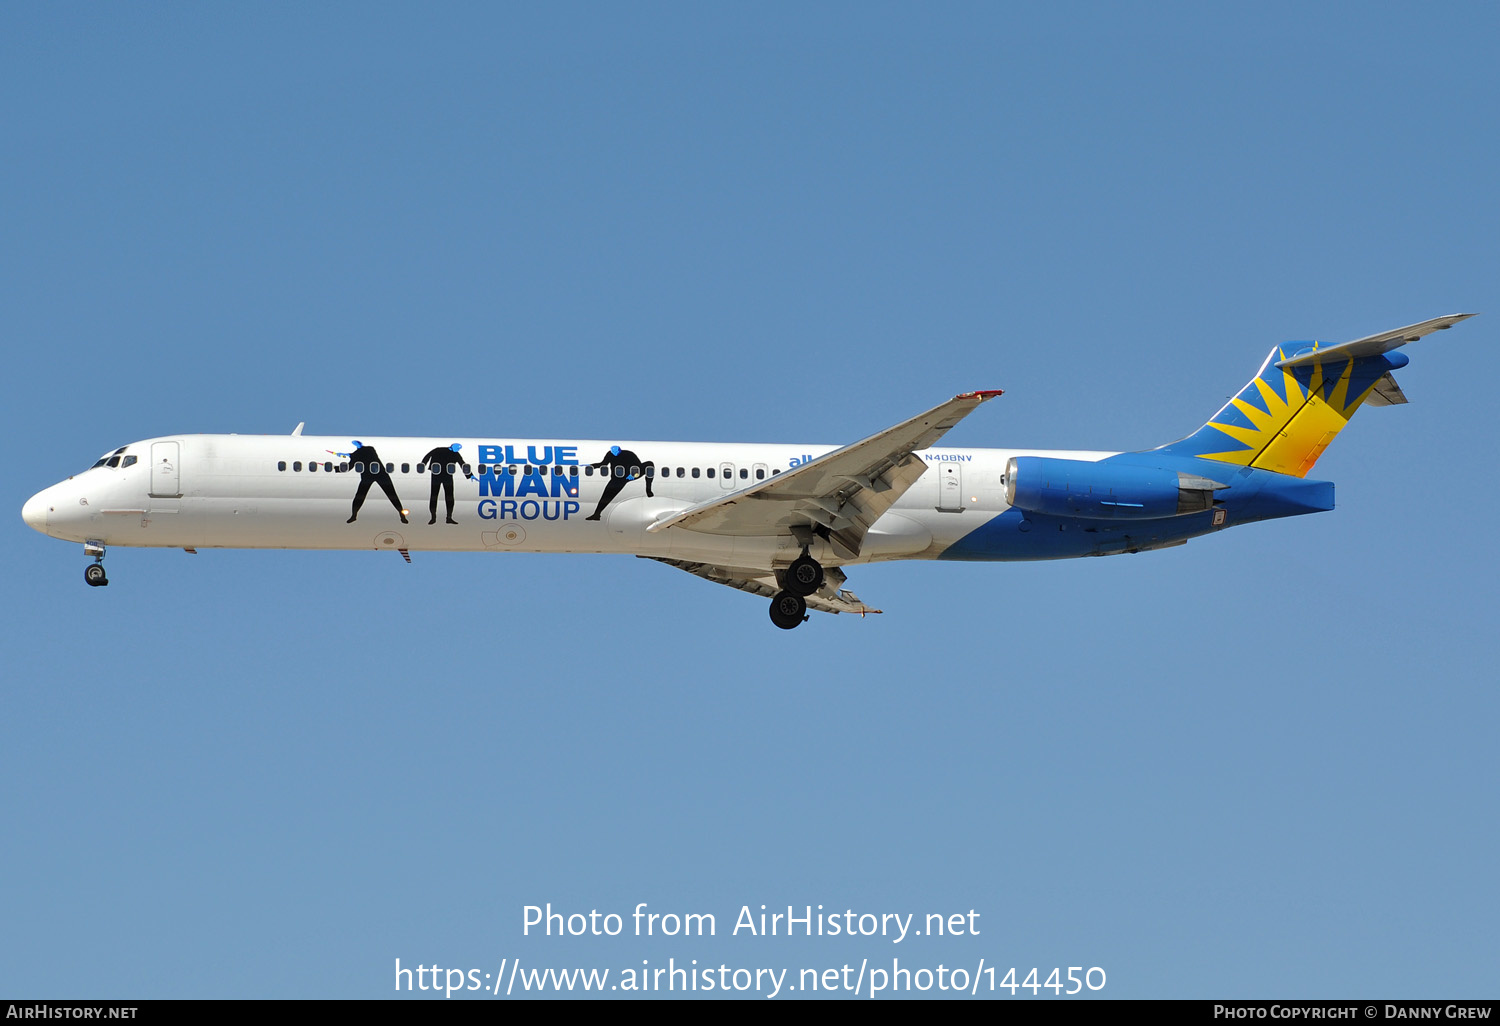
(1374, 345)
(1386, 392)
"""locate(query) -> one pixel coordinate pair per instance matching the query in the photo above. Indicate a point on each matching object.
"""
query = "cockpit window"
(112, 459)
(128, 461)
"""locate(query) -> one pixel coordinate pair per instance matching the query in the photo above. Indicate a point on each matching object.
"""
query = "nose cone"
(35, 512)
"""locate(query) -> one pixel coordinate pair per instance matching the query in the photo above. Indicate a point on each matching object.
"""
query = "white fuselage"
(258, 491)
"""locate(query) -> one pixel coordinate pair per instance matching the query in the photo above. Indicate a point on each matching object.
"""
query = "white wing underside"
(838, 495)
(830, 599)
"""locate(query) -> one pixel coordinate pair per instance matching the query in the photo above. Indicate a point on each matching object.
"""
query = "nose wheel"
(94, 572)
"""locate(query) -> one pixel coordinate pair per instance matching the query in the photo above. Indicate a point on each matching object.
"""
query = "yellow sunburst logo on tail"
(1288, 430)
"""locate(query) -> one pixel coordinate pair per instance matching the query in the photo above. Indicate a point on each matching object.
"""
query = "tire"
(804, 577)
(94, 575)
(788, 610)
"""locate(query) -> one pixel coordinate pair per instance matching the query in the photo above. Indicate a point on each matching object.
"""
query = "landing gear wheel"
(788, 610)
(804, 576)
(94, 575)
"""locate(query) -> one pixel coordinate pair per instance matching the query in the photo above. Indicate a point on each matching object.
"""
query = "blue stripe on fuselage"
(1252, 495)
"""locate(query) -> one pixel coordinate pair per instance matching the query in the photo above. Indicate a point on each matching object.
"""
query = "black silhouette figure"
(441, 464)
(618, 464)
(371, 471)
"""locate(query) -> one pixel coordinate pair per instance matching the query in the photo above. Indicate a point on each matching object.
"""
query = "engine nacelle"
(1104, 491)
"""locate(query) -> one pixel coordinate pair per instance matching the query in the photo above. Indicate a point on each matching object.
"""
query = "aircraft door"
(950, 488)
(166, 475)
(726, 477)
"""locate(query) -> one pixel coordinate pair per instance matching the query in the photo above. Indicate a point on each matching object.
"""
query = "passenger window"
(481, 469)
(281, 465)
(572, 471)
(744, 474)
(710, 472)
(775, 472)
(312, 467)
(328, 468)
(619, 471)
(297, 465)
(422, 468)
(129, 461)
(511, 470)
(406, 468)
(759, 474)
(650, 470)
(679, 471)
(359, 468)
(390, 468)
(695, 471)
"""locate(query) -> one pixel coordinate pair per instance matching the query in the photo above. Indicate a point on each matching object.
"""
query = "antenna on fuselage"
(297, 431)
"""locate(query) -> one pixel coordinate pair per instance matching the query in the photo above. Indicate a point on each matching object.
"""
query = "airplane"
(780, 521)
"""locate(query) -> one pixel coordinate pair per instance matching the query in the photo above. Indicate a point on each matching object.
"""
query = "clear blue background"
(1262, 764)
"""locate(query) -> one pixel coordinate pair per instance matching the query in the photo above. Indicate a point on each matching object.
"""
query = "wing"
(840, 494)
(829, 599)
(1374, 345)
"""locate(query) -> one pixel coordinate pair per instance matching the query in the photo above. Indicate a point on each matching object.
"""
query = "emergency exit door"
(950, 488)
(166, 476)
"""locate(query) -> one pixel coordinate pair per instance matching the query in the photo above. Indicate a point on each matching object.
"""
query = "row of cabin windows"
(512, 469)
(760, 472)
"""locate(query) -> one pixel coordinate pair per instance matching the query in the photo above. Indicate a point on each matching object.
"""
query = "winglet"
(983, 394)
(297, 431)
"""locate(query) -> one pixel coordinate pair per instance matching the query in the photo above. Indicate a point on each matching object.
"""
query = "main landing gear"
(788, 610)
(94, 572)
(803, 578)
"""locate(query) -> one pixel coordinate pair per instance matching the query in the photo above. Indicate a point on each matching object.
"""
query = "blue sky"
(1261, 764)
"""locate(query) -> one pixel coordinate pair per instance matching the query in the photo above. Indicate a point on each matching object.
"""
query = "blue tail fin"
(1301, 399)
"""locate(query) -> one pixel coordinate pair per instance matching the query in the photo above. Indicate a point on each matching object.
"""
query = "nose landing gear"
(94, 572)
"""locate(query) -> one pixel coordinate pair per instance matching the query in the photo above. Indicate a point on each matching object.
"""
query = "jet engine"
(1104, 491)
